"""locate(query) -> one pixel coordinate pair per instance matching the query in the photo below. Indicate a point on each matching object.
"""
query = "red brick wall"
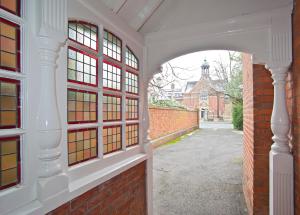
(257, 135)
(122, 195)
(296, 98)
(164, 121)
(213, 105)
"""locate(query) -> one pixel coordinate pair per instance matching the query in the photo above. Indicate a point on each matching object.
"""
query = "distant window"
(111, 76)
(84, 33)
(204, 95)
(132, 83)
(132, 134)
(82, 145)
(112, 139)
(12, 6)
(131, 59)
(112, 46)
(82, 67)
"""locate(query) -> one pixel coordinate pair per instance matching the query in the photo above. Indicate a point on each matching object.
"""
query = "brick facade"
(164, 121)
(122, 195)
(258, 103)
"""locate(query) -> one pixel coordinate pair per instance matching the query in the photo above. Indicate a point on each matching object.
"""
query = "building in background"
(208, 95)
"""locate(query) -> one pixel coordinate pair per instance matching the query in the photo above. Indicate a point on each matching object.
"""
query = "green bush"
(237, 116)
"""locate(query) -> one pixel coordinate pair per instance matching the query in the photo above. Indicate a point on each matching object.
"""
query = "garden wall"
(168, 123)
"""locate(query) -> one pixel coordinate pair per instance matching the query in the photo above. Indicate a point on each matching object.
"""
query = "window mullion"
(123, 96)
(100, 92)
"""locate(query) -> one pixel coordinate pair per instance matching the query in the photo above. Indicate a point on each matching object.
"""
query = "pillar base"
(281, 183)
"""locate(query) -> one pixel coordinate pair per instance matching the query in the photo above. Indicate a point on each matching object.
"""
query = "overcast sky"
(193, 63)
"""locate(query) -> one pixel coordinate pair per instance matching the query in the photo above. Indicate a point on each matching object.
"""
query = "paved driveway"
(200, 175)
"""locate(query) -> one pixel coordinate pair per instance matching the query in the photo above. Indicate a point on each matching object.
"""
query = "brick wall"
(122, 195)
(164, 121)
(258, 103)
(296, 101)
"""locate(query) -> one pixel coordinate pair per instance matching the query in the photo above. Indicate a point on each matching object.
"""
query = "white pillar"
(51, 37)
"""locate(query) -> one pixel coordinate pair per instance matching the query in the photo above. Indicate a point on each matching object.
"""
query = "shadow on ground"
(201, 174)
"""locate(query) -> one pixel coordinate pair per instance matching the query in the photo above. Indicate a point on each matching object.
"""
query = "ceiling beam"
(147, 11)
(118, 6)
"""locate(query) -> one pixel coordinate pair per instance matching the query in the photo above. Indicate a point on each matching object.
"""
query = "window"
(131, 59)
(82, 106)
(112, 46)
(84, 33)
(131, 82)
(12, 6)
(82, 67)
(131, 108)
(82, 145)
(10, 161)
(111, 76)
(111, 107)
(9, 46)
(112, 138)
(204, 95)
(132, 134)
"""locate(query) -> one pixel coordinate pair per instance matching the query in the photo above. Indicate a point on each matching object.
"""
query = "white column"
(51, 37)
(281, 170)
(281, 159)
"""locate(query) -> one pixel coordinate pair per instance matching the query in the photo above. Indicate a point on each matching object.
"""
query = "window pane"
(9, 103)
(131, 108)
(9, 160)
(111, 76)
(85, 34)
(112, 140)
(12, 6)
(132, 134)
(131, 59)
(131, 83)
(80, 66)
(82, 106)
(9, 45)
(82, 145)
(112, 46)
(111, 107)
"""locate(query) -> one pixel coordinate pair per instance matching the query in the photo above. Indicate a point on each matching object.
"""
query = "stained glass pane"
(9, 45)
(82, 106)
(12, 6)
(9, 161)
(111, 76)
(112, 46)
(111, 107)
(131, 108)
(131, 59)
(132, 131)
(131, 83)
(112, 140)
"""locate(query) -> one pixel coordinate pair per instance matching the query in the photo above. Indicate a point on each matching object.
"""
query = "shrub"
(237, 116)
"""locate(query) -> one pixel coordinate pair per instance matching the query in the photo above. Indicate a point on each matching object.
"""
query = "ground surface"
(201, 174)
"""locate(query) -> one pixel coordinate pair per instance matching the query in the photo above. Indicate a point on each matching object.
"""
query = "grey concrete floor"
(201, 174)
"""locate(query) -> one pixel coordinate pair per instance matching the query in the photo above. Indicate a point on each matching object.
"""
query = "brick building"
(207, 95)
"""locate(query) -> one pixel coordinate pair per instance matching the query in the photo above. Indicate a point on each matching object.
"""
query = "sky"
(192, 62)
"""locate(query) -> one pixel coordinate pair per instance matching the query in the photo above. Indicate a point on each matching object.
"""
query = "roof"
(189, 86)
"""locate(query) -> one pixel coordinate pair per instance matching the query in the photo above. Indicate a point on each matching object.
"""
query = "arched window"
(131, 59)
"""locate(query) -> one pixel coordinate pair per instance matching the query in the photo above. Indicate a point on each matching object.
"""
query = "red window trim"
(138, 62)
(83, 129)
(138, 86)
(121, 57)
(18, 13)
(84, 91)
(113, 126)
(85, 23)
(17, 82)
(115, 65)
(117, 96)
(18, 161)
(128, 97)
(18, 54)
(138, 136)
(90, 55)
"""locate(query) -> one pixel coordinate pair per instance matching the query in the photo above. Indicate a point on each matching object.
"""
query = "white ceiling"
(148, 16)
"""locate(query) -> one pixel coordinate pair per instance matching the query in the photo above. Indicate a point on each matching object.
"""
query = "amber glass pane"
(131, 83)
(9, 49)
(111, 108)
(10, 5)
(131, 108)
(132, 131)
(111, 76)
(80, 147)
(82, 106)
(112, 140)
(9, 161)
(131, 59)
(9, 107)
(112, 46)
